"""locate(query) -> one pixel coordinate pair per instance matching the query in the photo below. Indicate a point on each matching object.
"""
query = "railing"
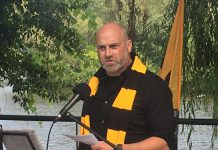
(66, 119)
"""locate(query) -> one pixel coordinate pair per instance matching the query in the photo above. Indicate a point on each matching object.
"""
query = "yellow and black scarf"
(122, 105)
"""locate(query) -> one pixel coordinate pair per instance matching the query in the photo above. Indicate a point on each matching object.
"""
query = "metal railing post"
(1, 138)
(175, 146)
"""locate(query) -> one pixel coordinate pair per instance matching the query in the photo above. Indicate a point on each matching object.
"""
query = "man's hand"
(101, 146)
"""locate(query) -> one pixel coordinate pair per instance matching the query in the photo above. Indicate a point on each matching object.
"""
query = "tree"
(41, 51)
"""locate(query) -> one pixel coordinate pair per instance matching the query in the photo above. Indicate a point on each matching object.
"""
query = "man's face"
(113, 50)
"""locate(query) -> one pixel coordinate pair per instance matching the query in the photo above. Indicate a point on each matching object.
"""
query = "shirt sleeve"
(160, 112)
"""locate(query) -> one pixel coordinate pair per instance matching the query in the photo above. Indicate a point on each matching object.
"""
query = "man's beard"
(112, 69)
(120, 64)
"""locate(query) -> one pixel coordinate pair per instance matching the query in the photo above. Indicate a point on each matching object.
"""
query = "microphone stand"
(92, 131)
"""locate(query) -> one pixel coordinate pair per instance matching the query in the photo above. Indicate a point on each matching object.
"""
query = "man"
(129, 106)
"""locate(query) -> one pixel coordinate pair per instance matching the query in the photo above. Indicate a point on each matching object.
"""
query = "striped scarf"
(122, 105)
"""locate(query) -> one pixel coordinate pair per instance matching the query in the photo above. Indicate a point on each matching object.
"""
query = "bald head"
(113, 27)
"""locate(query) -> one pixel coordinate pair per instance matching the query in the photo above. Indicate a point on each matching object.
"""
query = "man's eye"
(114, 46)
(101, 48)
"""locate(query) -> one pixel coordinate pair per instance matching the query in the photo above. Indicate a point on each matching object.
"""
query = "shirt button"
(102, 121)
(106, 102)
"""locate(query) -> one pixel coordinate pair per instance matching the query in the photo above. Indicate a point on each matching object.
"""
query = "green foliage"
(201, 52)
(41, 51)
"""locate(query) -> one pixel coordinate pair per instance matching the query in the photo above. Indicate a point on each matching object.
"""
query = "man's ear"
(129, 45)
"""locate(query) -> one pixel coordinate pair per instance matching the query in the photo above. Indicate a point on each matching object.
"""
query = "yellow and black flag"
(171, 69)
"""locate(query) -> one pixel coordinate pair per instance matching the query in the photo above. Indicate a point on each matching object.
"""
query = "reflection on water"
(200, 138)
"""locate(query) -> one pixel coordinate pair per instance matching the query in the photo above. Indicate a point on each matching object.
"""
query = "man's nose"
(108, 52)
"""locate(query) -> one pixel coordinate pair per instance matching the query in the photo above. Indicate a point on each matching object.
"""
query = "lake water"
(201, 138)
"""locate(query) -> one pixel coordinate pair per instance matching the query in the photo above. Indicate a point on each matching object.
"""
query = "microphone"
(82, 92)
